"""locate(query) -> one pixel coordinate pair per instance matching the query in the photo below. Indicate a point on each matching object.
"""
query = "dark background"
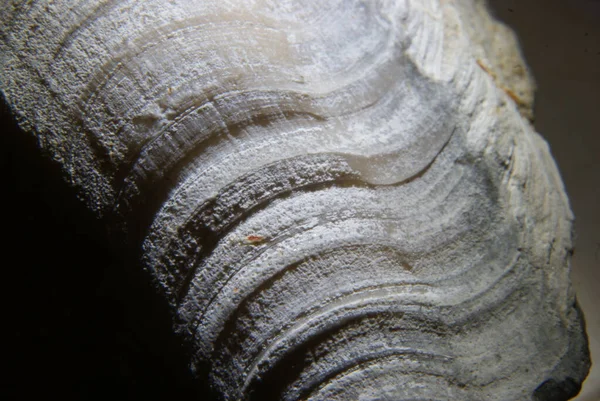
(83, 322)
(80, 319)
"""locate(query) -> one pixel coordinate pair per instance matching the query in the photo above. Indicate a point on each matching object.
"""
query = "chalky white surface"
(340, 200)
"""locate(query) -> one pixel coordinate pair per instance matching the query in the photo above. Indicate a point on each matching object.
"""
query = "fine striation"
(339, 200)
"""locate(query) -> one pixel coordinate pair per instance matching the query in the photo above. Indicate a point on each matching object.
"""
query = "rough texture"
(339, 200)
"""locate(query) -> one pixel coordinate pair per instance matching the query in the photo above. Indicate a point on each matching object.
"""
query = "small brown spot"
(170, 90)
(255, 239)
(407, 266)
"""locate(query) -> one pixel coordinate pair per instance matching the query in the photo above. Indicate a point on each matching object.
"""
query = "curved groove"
(345, 309)
(168, 33)
(334, 198)
(151, 94)
(219, 290)
(350, 176)
(242, 306)
(256, 114)
(273, 388)
(235, 272)
(199, 315)
(352, 366)
(109, 70)
(294, 358)
(133, 204)
(347, 312)
(381, 361)
(102, 9)
(184, 151)
(211, 238)
(229, 324)
(457, 327)
(165, 32)
(208, 228)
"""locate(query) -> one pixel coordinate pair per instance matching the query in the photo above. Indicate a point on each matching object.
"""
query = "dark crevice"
(272, 384)
(210, 239)
(138, 210)
(228, 331)
(140, 197)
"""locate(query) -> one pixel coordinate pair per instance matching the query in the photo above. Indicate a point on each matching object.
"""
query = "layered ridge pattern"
(338, 199)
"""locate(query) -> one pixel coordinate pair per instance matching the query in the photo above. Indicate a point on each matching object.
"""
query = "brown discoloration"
(508, 91)
(406, 266)
(514, 97)
(254, 239)
(486, 69)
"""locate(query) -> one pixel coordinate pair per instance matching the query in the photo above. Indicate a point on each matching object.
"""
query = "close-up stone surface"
(338, 200)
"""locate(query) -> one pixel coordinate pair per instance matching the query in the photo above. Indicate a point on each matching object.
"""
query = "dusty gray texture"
(339, 200)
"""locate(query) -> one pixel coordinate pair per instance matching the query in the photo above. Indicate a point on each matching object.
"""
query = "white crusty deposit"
(340, 200)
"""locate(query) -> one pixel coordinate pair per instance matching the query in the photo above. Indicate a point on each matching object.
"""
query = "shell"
(340, 200)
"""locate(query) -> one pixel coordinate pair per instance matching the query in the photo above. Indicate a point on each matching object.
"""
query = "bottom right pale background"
(560, 40)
